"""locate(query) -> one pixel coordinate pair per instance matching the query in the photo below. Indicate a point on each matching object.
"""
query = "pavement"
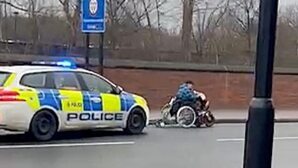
(217, 147)
(239, 116)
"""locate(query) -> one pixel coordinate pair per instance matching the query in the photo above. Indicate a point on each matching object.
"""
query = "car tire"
(136, 122)
(44, 126)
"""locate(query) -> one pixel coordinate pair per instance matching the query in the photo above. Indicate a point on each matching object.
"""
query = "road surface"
(218, 147)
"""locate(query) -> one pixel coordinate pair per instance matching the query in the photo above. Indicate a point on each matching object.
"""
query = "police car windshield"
(3, 77)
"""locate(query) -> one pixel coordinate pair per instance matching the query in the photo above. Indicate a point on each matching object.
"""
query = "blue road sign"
(93, 16)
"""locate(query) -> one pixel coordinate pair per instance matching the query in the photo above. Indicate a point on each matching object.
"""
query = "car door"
(104, 104)
(42, 93)
(71, 98)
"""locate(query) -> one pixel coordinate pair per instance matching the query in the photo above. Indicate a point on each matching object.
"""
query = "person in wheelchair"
(186, 96)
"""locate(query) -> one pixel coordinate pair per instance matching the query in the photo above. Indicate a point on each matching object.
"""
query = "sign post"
(87, 51)
(93, 21)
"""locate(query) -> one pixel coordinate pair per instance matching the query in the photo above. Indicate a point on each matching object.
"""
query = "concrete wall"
(225, 90)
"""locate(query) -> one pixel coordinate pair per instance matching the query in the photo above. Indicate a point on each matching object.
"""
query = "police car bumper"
(15, 116)
(147, 111)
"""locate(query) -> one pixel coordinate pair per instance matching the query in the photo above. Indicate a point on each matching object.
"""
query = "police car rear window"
(3, 77)
(37, 80)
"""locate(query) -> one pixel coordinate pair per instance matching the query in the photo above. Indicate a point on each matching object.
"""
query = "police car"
(53, 97)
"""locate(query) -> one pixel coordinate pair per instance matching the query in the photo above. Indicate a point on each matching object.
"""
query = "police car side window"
(3, 77)
(66, 81)
(96, 84)
(36, 80)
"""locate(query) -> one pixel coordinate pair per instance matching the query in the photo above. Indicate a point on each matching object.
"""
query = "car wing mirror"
(119, 90)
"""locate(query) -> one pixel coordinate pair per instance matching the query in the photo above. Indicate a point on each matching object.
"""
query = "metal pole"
(15, 24)
(5, 21)
(87, 50)
(101, 54)
(260, 124)
(15, 27)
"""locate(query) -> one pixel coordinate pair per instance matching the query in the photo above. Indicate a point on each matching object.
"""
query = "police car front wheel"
(43, 126)
(136, 122)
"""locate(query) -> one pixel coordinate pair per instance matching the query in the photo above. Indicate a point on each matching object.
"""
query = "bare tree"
(208, 19)
(158, 14)
(15, 6)
(188, 6)
(289, 17)
(115, 15)
(132, 17)
(148, 18)
(32, 14)
(4, 6)
(72, 13)
(32, 8)
(245, 13)
(1, 21)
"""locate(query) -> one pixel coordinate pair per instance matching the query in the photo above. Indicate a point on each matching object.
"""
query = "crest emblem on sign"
(93, 6)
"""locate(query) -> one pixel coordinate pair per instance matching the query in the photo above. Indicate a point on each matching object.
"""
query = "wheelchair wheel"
(186, 117)
(165, 113)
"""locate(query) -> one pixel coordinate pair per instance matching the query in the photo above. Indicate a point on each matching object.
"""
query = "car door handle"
(62, 97)
(95, 99)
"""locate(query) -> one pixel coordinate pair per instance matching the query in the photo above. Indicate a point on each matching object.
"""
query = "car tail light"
(9, 96)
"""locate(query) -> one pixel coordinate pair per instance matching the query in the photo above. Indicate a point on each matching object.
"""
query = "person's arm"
(191, 94)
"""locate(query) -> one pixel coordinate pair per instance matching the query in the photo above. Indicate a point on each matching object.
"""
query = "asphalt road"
(218, 147)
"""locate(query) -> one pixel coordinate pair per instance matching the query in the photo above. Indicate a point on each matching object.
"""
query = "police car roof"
(34, 68)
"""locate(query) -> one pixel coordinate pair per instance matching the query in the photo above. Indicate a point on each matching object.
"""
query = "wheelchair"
(186, 114)
(179, 113)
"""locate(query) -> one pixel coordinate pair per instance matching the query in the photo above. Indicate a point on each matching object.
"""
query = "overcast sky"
(283, 2)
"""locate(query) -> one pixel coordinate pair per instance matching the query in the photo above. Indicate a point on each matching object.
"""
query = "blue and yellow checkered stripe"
(78, 101)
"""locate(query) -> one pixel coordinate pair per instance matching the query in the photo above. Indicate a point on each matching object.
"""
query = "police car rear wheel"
(136, 122)
(43, 126)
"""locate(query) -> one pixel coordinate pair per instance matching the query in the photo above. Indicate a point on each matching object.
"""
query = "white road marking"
(230, 140)
(65, 145)
(242, 139)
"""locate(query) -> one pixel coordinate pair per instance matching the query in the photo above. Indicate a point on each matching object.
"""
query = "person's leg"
(175, 107)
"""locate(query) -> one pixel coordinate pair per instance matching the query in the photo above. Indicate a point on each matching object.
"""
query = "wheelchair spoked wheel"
(165, 113)
(186, 117)
(165, 116)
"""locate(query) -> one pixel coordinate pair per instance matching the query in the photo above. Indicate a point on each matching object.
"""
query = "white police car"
(45, 99)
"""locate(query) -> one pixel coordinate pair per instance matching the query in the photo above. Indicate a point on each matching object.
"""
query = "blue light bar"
(65, 63)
